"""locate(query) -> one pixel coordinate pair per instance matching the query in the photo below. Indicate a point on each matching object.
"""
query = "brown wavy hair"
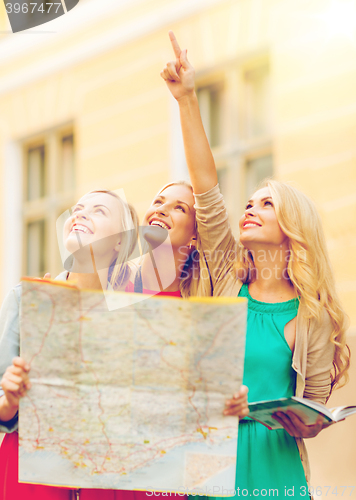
(192, 269)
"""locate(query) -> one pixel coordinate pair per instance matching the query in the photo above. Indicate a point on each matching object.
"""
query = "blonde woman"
(295, 343)
(106, 228)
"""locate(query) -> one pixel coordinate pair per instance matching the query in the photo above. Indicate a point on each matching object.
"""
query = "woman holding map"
(101, 233)
(295, 343)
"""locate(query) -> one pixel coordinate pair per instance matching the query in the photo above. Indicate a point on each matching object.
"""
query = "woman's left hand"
(238, 405)
(295, 427)
(179, 75)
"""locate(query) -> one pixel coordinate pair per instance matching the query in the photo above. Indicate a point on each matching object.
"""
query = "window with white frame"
(49, 190)
(256, 170)
(210, 102)
(235, 105)
(257, 109)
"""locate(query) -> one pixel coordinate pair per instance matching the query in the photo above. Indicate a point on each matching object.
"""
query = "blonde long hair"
(309, 267)
(119, 270)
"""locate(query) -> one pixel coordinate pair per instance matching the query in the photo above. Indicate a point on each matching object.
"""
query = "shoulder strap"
(138, 287)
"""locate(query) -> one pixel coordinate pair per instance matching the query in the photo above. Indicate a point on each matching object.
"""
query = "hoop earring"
(190, 246)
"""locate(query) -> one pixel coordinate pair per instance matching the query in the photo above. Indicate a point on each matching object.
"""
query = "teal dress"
(268, 459)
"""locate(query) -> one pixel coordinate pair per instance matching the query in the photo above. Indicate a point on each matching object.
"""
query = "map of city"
(131, 398)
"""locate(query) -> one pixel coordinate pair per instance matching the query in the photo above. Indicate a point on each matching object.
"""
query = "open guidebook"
(307, 410)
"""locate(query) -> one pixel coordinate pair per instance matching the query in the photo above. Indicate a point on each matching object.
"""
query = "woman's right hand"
(238, 405)
(179, 75)
(15, 382)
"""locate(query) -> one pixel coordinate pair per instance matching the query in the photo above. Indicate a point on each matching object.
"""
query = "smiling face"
(95, 218)
(173, 209)
(259, 225)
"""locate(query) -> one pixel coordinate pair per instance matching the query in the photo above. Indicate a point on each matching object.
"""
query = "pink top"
(130, 288)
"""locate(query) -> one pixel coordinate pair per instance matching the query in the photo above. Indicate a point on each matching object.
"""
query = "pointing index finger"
(175, 45)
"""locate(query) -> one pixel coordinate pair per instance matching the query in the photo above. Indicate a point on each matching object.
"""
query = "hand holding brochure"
(308, 411)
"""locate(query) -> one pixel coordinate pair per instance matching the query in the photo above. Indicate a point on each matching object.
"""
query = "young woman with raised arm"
(295, 341)
(179, 268)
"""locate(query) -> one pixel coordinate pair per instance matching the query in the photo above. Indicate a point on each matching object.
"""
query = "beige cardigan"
(313, 352)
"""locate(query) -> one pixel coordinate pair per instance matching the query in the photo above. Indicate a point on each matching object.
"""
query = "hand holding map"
(131, 398)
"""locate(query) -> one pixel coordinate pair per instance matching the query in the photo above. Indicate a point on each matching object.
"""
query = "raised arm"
(179, 76)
